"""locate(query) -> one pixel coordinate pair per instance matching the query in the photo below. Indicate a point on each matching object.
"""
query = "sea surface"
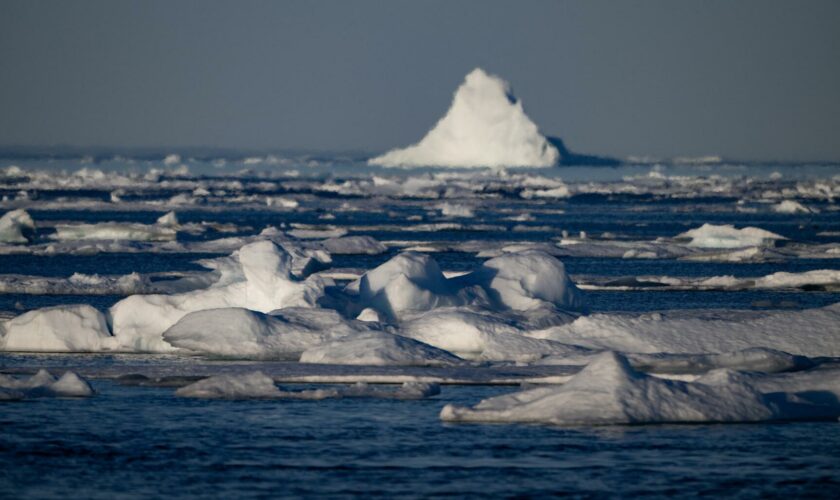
(134, 441)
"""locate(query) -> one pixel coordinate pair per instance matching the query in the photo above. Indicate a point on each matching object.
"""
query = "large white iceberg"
(484, 127)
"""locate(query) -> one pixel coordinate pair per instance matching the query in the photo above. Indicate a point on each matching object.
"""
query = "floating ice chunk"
(412, 282)
(241, 333)
(44, 384)
(369, 315)
(114, 231)
(485, 126)
(259, 279)
(72, 385)
(349, 245)
(455, 210)
(408, 282)
(71, 328)
(527, 280)
(727, 236)
(824, 278)
(610, 391)
(792, 207)
(172, 159)
(169, 219)
(16, 226)
(256, 385)
(378, 349)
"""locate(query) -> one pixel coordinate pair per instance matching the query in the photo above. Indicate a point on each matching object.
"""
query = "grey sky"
(745, 79)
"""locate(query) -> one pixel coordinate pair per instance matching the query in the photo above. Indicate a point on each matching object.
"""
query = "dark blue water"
(144, 442)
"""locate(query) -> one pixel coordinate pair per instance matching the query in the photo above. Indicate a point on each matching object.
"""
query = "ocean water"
(144, 442)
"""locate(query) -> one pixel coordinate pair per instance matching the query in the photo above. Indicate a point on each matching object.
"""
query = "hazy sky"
(745, 79)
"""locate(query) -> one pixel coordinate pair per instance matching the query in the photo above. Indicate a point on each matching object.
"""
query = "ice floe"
(610, 391)
(257, 385)
(727, 236)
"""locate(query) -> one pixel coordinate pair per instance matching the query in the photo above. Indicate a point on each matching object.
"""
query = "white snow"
(16, 226)
(485, 126)
(727, 236)
(609, 391)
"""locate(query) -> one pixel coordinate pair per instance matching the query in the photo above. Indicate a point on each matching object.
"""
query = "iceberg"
(486, 126)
